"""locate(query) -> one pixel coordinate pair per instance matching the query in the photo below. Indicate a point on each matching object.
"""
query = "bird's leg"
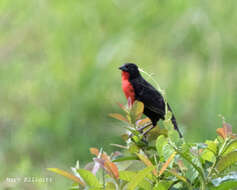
(144, 134)
(140, 129)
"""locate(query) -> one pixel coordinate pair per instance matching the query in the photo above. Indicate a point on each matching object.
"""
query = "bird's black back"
(154, 104)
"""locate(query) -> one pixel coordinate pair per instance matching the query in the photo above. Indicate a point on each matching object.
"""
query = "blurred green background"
(59, 77)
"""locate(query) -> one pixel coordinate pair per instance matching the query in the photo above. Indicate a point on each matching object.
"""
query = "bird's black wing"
(147, 94)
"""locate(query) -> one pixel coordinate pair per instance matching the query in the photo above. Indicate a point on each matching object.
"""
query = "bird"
(135, 87)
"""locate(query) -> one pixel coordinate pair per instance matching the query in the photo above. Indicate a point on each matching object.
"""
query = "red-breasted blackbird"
(136, 87)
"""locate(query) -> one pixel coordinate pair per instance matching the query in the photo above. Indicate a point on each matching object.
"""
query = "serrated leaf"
(67, 175)
(227, 161)
(138, 178)
(118, 117)
(147, 162)
(89, 178)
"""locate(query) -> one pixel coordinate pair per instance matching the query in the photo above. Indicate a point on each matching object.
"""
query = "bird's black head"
(132, 69)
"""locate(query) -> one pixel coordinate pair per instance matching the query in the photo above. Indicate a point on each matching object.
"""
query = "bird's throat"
(125, 75)
(127, 87)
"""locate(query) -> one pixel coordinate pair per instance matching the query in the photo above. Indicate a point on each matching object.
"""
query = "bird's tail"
(174, 122)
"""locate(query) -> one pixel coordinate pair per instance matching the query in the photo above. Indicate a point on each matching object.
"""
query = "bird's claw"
(140, 129)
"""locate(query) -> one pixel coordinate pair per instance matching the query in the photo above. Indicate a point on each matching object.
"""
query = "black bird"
(136, 87)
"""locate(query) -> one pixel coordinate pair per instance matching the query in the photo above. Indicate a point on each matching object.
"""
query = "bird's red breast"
(127, 87)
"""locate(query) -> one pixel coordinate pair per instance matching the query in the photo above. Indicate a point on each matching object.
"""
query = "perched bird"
(135, 87)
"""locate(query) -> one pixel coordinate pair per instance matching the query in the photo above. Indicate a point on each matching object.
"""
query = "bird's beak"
(123, 68)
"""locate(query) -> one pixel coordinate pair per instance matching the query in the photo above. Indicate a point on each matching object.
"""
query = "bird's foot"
(148, 130)
(140, 129)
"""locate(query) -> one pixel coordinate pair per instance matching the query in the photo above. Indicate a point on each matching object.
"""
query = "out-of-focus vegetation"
(59, 77)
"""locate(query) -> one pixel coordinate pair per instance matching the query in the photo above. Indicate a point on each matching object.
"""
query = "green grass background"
(59, 77)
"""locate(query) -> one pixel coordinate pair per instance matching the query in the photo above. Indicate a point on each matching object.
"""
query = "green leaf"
(227, 161)
(168, 115)
(129, 176)
(89, 178)
(133, 148)
(232, 145)
(181, 178)
(167, 163)
(228, 185)
(167, 151)
(126, 159)
(160, 142)
(194, 161)
(212, 146)
(174, 136)
(74, 186)
(168, 125)
(110, 186)
(208, 155)
(190, 172)
(210, 151)
(163, 185)
(126, 175)
(139, 177)
(227, 182)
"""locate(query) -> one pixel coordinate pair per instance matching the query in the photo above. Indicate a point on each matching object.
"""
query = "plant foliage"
(161, 160)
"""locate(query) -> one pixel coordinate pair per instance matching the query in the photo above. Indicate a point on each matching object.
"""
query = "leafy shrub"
(159, 161)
